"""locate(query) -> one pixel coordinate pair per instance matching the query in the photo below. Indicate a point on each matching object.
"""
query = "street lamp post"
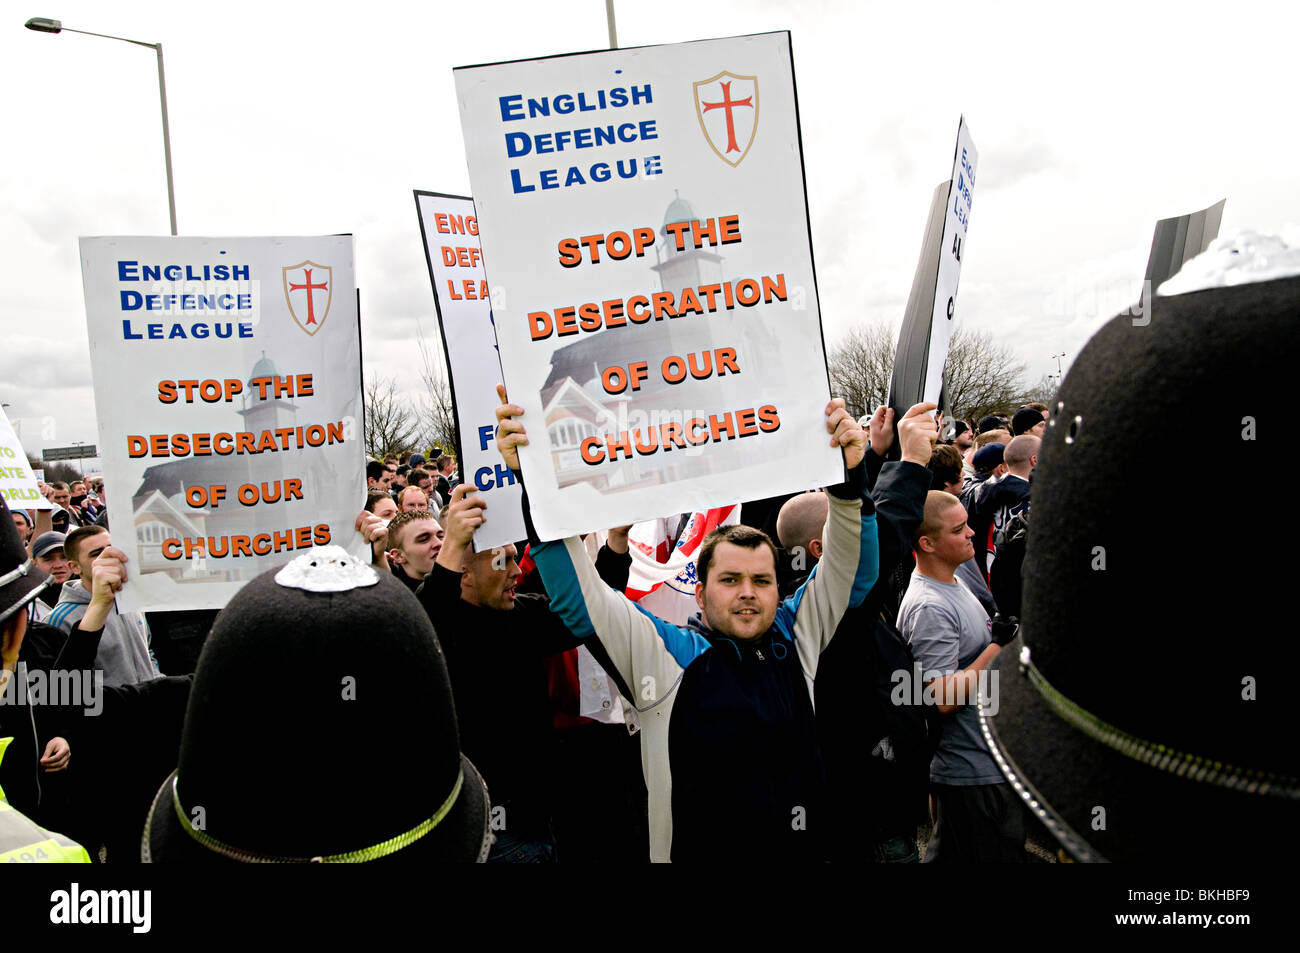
(609, 22)
(1058, 367)
(44, 25)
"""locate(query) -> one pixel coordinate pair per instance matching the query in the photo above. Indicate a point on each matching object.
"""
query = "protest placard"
(227, 387)
(17, 479)
(926, 331)
(1177, 241)
(450, 231)
(645, 231)
(955, 221)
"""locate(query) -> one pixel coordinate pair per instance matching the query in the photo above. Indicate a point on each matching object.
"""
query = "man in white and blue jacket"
(729, 740)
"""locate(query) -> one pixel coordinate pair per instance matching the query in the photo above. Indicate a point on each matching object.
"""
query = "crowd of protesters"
(740, 734)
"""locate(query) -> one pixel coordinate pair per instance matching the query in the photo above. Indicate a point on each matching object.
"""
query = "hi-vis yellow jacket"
(23, 842)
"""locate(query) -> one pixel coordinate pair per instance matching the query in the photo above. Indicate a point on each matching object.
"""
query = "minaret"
(269, 414)
(690, 267)
(273, 413)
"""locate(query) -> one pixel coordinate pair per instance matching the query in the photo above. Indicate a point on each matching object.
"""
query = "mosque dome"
(679, 210)
(265, 367)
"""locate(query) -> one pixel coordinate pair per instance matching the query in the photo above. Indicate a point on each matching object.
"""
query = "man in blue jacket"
(729, 740)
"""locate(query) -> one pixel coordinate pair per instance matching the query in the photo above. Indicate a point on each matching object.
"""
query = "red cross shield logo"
(727, 107)
(308, 290)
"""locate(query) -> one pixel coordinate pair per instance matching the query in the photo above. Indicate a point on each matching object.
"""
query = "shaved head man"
(993, 505)
(943, 540)
(799, 526)
(1021, 455)
(978, 816)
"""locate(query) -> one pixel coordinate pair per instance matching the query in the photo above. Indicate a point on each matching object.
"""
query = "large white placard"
(228, 391)
(17, 478)
(461, 295)
(645, 232)
(951, 249)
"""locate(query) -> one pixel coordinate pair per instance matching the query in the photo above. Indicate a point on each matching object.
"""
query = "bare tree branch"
(392, 424)
(860, 366)
(437, 413)
(982, 377)
(1043, 392)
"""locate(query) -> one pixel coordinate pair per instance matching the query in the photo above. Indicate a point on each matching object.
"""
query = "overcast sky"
(1092, 121)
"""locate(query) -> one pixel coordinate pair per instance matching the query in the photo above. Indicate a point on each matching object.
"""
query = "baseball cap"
(48, 542)
(986, 458)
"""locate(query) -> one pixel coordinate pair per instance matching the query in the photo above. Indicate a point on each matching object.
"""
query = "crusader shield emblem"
(308, 290)
(727, 107)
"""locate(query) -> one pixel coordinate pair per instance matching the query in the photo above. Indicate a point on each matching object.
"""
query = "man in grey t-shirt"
(978, 816)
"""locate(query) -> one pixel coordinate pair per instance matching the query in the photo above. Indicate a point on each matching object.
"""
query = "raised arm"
(649, 654)
(900, 491)
(842, 577)
(848, 565)
(613, 561)
(374, 530)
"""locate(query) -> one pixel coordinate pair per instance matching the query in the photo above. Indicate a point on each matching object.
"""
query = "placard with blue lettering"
(645, 234)
(227, 379)
(464, 302)
(956, 221)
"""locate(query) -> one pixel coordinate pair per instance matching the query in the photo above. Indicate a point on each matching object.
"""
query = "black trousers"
(977, 824)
